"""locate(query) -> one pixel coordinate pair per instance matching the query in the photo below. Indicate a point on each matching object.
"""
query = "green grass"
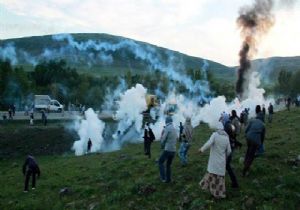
(127, 179)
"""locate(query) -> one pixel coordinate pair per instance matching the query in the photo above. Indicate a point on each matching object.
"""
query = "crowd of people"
(222, 144)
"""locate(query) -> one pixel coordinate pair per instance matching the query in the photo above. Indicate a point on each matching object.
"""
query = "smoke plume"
(254, 21)
(90, 127)
(130, 107)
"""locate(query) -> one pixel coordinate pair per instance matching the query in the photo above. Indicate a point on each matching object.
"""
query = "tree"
(284, 82)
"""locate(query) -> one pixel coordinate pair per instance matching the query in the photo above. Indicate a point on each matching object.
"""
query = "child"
(184, 147)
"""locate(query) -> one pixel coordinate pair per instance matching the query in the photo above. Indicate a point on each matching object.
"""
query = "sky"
(201, 28)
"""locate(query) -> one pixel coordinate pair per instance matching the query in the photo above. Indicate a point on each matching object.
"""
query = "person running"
(255, 134)
(30, 169)
(264, 112)
(271, 112)
(188, 130)
(214, 180)
(149, 137)
(168, 142)
(180, 131)
(183, 149)
(232, 129)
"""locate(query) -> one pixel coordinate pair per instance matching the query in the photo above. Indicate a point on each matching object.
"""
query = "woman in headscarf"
(214, 180)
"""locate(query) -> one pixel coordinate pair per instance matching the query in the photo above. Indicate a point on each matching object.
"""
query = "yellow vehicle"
(151, 101)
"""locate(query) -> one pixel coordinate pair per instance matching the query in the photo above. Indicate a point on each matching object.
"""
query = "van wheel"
(59, 110)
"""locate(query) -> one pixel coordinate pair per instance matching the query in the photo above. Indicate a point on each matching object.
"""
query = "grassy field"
(127, 179)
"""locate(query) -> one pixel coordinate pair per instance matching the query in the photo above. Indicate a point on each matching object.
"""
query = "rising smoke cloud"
(254, 21)
(130, 107)
(90, 127)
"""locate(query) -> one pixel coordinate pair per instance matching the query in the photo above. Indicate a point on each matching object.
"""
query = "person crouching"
(30, 169)
(214, 179)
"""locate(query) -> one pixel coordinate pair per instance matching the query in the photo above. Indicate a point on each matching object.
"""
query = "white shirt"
(219, 150)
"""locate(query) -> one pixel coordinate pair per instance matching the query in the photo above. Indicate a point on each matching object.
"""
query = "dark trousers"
(29, 173)
(147, 148)
(250, 155)
(165, 174)
(230, 171)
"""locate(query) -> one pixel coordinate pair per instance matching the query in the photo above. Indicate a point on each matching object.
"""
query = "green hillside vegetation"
(126, 179)
(271, 67)
(123, 58)
(62, 82)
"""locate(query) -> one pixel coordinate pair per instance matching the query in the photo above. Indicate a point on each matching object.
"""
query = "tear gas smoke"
(173, 67)
(90, 127)
(129, 114)
(9, 52)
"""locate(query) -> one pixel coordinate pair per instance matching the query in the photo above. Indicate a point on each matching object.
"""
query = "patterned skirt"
(215, 184)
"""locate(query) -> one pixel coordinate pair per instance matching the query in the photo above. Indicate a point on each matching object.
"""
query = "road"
(66, 115)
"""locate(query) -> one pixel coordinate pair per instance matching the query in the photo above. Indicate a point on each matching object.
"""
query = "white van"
(44, 102)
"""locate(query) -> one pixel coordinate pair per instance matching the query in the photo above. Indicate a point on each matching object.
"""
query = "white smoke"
(112, 96)
(129, 114)
(89, 128)
(172, 66)
(9, 52)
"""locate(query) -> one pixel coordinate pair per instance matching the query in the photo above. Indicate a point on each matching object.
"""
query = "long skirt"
(215, 184)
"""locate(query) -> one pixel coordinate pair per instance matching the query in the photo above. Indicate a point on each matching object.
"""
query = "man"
(231, 128)
(89, 145)
(255, 134)
(288, 104)
(188, 130)
(224, 118)
(30, 168)
(264, 112)
(271, 112)
(44, 118)
(168, 142)
(10, 113)
(13, 107)
(148, 139)
(180, 131)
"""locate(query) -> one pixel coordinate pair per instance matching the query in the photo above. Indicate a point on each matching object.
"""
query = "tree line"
(66, 84)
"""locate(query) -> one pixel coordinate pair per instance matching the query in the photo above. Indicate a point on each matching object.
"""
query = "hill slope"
(126, 179)
(103, 54)
(270, 67)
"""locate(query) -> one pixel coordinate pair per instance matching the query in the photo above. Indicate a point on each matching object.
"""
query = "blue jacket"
(255, 131)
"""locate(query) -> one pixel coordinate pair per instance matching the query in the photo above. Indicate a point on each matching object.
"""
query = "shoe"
(25, 191)
(33, 188)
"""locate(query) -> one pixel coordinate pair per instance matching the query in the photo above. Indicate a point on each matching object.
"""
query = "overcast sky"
(202, 28)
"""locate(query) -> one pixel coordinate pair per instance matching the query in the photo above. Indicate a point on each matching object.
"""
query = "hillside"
(270, 67)
(103, 54)
(126, 179)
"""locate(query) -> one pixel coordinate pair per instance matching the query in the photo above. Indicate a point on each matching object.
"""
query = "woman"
(214, 179)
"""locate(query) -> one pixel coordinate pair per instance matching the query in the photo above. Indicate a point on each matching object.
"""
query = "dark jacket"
(31, 165)
(270, 109)
(260, 116)
(255, 131)
(151, 135)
